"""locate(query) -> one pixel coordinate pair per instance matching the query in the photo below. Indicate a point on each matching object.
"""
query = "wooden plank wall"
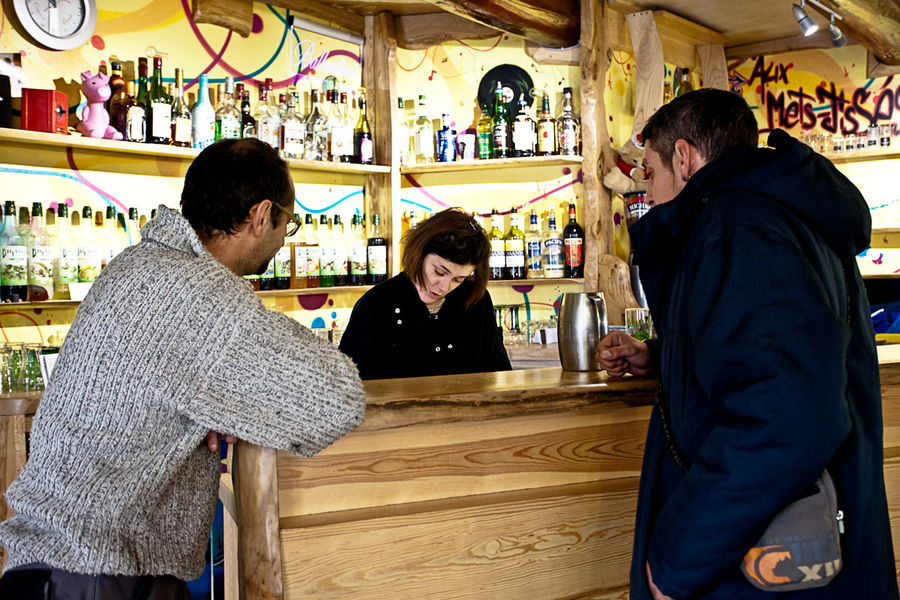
(524, 507)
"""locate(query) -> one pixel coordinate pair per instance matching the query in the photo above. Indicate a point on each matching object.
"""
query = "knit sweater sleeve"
(277, 385)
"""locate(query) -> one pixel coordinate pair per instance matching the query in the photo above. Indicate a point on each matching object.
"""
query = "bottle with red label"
(573, 240)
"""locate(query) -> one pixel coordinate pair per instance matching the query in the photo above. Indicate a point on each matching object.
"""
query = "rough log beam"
(552, 23)
(417, 32)
(236, 15)
(873, 23)
(325, 14)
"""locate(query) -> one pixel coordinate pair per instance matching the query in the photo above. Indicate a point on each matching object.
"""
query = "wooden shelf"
(492, 163)
(555, 280)
(14, 141)
(854, 157)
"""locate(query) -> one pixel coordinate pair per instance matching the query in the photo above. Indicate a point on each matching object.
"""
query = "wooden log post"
(715, 72)
(236, 15)
(259, 543)
(382, 190)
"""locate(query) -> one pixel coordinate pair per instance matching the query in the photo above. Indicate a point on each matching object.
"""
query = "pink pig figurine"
(94, 118)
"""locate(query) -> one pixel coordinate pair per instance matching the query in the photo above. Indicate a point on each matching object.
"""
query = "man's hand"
(619, 353)
(213, 437)
(657, 595)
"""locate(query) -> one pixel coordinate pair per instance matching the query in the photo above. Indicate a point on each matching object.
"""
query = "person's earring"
(683, 178)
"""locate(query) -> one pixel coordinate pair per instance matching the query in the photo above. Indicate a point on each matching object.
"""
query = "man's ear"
(686, 159)
(260, 217)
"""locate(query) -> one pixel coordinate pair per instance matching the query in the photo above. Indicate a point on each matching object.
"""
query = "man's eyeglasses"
(294, 223)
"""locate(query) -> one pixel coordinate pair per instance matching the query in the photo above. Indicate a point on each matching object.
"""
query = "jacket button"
(399, 321)
(397, 310)
(449, 346)
(438, 349)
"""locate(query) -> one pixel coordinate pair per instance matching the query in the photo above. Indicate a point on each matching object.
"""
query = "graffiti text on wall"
(825, 107)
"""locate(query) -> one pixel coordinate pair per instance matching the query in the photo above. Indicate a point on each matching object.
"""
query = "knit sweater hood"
(168, 345)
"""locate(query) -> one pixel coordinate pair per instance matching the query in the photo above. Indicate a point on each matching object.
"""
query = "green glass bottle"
(160, 126)
(500, 125)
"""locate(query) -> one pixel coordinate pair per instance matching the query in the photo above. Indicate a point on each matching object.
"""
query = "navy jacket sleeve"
(359, 338)
(770, 346)
(498, 360)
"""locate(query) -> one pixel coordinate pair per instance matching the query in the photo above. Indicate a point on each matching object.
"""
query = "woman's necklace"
(434, 308)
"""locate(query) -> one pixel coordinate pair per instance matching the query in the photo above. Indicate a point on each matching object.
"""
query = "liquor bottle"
(358, 252)
(524, 135)
(13, 258)
(143, 92)
(266, 125)
(667, 92)
(181, 116)
(553, 258)
(129, 116)
(267, 277)
(500, 125)
(114, 104)
(316, 130)
(485, 131)
(514, 248)
(299, 254)
(685, 85)
(313, 253)
(568, 127)
(90, 259)
(377, 254)
(403, 136)
(326, 245)
(546, 129)
(270, 130)
(423, 133)
(282, 266)
(203, 117)
(65, 254)
(342, 132)
(446, 151)
(160, 125)
(228, 117)
(498, 246)
(363, 145)
(40, 257)
(248, 121)
(573, 238)
(100, 239)
(533, 249)
(293, 130)
(116, 84)
(133, 231)
(115, 232)
(341, 252)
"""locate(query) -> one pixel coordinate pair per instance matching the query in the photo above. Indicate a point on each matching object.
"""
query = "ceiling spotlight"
(807, 25)
(838, 39)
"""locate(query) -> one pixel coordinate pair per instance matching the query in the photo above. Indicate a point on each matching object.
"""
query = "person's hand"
(213, 437)
(619, 353)
(657, 595)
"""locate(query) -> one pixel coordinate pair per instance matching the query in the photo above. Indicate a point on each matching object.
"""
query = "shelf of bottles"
(492, 163)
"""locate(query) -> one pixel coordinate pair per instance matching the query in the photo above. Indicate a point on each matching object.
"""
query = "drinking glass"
(638, 324)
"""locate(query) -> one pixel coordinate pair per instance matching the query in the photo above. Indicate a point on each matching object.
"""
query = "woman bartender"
(436, 317)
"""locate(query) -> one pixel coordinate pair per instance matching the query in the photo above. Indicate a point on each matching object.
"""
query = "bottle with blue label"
(446, 150)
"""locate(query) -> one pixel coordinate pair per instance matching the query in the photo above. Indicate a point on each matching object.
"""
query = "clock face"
(57, 24)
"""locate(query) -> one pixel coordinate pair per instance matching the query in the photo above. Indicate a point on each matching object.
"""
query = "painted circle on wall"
(515, 82)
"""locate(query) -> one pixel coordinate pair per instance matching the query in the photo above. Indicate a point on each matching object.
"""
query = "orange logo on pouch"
(760, 564)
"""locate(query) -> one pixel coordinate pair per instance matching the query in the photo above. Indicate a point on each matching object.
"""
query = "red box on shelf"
(45, 110)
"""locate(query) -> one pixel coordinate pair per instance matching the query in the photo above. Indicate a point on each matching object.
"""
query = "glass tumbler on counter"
(638, 324)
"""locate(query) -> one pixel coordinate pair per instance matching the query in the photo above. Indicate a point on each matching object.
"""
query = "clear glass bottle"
(90, 254)
(160, 107)
(133, 231)
(546, 128)
(363, 144)
(13, 258)
(228, 117)
(514, 248)
(299, 254)
(500, 125)
(342, 132)
(316, 130)
(327, 247)
(267, 125)
(293, 130)
(341, 252)
(403, 136)
(553, 258)
(498, 246)
(40, 257)
(377, 254)
(248, 120)
(282, 264)
(203, 117)
(65, 254)
(313, 253)
(573, 238)
(132, 116)
(181, 116)
(358, 252)
(568, 127)
(533, 248)
(270, 131)
(524, 132)
(423, 132)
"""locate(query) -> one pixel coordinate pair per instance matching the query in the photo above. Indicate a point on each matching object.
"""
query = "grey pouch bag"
(801, 547)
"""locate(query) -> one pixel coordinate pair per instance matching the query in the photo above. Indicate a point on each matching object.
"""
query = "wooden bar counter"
(519, 484)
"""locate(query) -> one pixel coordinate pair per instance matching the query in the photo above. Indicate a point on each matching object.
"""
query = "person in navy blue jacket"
(766, 355)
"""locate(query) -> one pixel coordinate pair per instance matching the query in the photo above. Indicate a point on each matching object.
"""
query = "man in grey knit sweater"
(118, 495)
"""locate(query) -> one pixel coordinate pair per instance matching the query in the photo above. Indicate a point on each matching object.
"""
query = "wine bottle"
(573, 238)
(160, 128)
(514, 248)
(181, 116)
(500, 125)
(377, 254)
(498, 246)
(363, 145)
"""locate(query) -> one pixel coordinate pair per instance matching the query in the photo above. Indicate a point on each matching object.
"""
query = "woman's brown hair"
(455, 236)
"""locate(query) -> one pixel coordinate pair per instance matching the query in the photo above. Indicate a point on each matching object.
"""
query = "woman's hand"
(213, 437)
(619, 353)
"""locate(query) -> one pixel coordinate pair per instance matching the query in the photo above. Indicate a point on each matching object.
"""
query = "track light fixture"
(807, 25)
(838, 39)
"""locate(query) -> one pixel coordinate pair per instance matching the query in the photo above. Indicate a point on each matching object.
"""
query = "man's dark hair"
(713, 121)
(230, 177)
(455, 236)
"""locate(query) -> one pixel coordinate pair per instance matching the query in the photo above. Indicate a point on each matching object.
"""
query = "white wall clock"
(57, 24)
